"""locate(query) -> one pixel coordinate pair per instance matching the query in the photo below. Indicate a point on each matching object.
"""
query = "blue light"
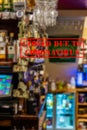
(85, 68)
(79, 78)
(85, 65)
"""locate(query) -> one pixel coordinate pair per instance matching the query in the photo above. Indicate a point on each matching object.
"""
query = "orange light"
(31, 3)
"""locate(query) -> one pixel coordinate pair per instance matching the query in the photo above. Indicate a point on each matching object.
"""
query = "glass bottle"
(3, 49)
(1, 5)
(10, 49)
(3, 36)
(12, 10)
(11, 38)
(11, 5)
(7, 45)
(7, 5)
(72, 82)
(53, 86)
(6, 9)
(32, 104)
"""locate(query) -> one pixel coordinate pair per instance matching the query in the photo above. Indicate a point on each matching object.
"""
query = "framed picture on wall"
(63, 48)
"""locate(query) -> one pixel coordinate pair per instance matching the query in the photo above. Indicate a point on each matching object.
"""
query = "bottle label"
(2, 52)
(11, 50)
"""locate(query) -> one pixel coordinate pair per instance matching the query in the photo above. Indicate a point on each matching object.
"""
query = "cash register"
(6, 100)
(81, 77)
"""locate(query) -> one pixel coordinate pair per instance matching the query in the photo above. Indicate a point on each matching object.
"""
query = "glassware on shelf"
(45, 12)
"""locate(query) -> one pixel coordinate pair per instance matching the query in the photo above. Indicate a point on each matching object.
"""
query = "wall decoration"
(64, 50)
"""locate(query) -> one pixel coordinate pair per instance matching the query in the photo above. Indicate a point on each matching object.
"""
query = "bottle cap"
(11, 34)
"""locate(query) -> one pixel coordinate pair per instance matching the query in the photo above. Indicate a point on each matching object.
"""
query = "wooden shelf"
(64, 91)
(82, 104)
(70, 90)
(83, 115)
(6, 63)
(82, 120)
(25, 116)
(81, 129)
(80, 117)
(81, 89)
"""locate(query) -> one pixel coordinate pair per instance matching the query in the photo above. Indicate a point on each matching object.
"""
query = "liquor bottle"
(72, 82)
(11, 5)
(12, 11)
(11, 38)
(3, 48)
(32, 104)
(1, 5)
(7, 5)
(2, 51)
(10, 48)
(3, 36)
(6, 9)
(53, 86)
(7, 44)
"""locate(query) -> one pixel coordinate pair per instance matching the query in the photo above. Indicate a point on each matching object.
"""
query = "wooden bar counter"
(29, 122)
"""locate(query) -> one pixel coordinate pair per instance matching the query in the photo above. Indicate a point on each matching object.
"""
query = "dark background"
(72, 4)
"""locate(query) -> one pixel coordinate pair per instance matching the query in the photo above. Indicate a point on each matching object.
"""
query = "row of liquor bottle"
(7, 47)
(9, 5)
(36, 82)
(10, 51)
(32, 87)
